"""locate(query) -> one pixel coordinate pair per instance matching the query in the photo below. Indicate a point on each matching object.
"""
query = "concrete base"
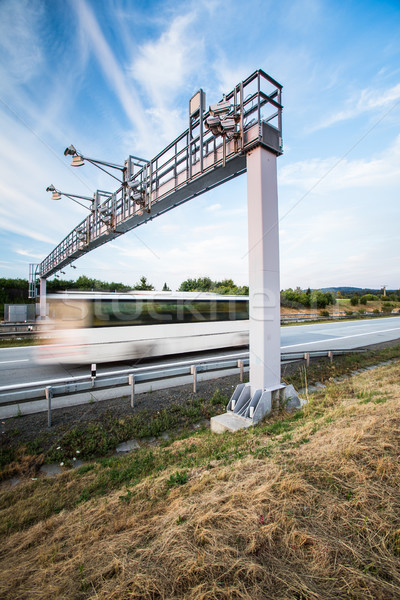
(229, 422)
(254, 408)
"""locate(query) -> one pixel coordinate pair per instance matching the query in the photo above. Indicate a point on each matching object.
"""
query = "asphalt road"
(17, 366)
(342, 335)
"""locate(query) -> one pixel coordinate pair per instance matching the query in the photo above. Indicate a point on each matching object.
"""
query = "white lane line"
(345, 337)
(7, 362)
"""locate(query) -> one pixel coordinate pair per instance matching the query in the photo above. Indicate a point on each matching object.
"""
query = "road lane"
(342, 335)
(17, 366)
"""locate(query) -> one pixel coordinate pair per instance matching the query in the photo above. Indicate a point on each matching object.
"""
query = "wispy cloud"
(30, 254)
(112, 71)
(163, 67)
(214, 207)
(367, 100)
(20, 47)
(363, 173)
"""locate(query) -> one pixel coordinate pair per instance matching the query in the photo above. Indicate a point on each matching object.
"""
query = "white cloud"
(116, 77)
(162, 66)
(30, 254)
(20, 46)
(337, 173)
(213, 207)
(366, 101)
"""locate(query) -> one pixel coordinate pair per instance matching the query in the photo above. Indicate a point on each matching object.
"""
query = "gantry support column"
(250, 402)
(42, 299)
(264, 289)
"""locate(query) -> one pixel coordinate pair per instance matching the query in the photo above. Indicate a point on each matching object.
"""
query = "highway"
(17, 366)
(342, 335)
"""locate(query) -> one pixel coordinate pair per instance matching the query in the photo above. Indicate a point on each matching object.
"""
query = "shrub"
(324, 313)
(370, 297)
(387, 307)
(361, 311)
(363, 300)
(376, 311)
(348, 312)
(354, 300)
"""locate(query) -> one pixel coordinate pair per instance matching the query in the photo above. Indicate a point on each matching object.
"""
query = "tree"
(166, 288)
(354, 300)
(143, 285)
(202, 284)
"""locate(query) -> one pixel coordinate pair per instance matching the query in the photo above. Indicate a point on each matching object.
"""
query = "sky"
(114, 78)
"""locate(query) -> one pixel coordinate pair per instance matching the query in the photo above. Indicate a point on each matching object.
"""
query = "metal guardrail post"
(49, 395)
(93, 373)
(132, 384)
(330, 355)
(193, 370)
(240, 366)
(307, 358)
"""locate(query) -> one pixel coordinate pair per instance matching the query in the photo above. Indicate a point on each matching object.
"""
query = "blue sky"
(113, 77)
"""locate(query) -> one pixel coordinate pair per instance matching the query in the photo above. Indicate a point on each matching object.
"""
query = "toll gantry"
(211, 151)
(240, 133)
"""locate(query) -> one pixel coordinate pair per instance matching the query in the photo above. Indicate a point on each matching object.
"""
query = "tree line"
(15, 291)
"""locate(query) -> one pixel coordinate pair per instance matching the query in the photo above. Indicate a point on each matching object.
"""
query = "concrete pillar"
(264, 288)
(42, 299)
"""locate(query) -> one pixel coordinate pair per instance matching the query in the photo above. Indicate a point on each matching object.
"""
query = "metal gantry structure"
(240, 133)
(211, 151)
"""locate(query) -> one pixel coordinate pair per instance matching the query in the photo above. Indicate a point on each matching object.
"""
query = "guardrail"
(50, 389)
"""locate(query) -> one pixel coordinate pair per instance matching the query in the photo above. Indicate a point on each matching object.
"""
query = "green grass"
(15, 342)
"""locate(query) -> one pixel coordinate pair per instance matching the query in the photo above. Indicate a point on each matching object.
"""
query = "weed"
(178, 478)
(180, 520)
(85, 469)
(262, 452)
(219, 399)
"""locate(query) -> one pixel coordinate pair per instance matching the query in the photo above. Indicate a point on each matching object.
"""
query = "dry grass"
(317, 518)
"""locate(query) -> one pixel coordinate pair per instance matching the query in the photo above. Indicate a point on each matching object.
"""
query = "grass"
(15, 342)
(302, 506)
(99, 438)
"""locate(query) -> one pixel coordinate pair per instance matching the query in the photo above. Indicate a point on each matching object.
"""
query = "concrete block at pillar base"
(290, 398)
(229, 422)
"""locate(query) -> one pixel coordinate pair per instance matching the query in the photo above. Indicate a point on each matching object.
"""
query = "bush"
(376, 311)
(324, 313)
(363, 300)
(388, 307)
(348, 312)
(361, 311)
(370, 297)
(354, 300)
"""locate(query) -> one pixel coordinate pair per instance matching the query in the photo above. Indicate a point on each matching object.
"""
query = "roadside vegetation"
(304, 505)
(350, 300)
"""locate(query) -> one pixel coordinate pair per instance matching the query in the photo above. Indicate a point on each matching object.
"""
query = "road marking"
(6, 362)
(345, 337)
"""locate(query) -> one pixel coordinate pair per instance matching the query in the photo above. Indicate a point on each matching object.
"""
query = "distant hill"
(349, 289)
